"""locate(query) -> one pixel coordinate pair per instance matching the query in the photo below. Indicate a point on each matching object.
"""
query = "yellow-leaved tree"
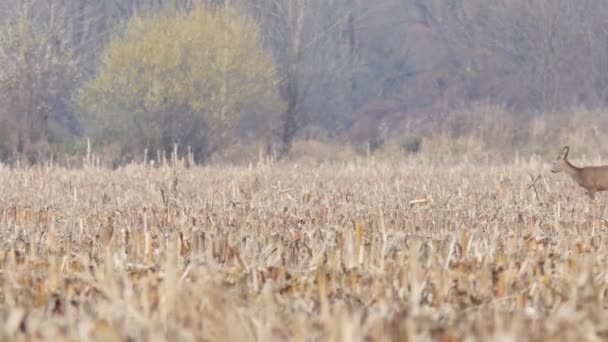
(184, 78)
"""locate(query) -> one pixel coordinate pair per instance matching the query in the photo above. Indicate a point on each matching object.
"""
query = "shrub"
(185, 78)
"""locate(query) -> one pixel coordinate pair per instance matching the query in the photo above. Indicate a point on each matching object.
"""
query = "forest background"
(327, 79)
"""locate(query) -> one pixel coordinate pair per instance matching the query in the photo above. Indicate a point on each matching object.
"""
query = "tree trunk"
(290, 94)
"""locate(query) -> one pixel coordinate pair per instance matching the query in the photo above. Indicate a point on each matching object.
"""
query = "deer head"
(562, 161)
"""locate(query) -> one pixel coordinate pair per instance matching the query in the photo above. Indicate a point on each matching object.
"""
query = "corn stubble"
(376, 252)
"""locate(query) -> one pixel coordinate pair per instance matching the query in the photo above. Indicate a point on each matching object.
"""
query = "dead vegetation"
(376, 251)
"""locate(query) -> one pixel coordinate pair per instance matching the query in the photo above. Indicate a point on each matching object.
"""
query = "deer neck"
(572, 170)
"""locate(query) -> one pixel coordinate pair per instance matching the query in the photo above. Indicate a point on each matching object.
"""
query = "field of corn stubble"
(387, 251)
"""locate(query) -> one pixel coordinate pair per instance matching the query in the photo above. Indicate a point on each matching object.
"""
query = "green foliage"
(187, 78)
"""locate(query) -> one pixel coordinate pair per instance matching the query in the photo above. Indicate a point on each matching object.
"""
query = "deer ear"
(564, 153)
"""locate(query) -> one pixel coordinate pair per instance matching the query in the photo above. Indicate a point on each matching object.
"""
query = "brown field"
(371, 251)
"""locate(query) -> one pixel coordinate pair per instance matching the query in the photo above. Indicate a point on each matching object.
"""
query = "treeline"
(144, 75)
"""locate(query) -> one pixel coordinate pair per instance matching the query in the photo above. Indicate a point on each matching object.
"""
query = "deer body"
(591, 178)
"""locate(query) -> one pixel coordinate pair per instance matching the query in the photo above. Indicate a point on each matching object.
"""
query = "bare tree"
(493, 48)
(314, 53)
(37, 72)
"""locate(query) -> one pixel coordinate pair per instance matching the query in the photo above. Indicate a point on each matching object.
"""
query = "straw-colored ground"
(388, 251)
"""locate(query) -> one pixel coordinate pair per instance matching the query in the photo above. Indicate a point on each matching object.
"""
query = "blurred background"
(331, 79)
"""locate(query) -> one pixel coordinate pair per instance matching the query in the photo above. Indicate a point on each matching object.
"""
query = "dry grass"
(376, 252)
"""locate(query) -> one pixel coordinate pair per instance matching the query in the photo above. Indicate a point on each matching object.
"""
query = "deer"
(591, 178)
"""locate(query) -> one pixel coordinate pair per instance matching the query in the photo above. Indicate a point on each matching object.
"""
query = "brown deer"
(592, 178)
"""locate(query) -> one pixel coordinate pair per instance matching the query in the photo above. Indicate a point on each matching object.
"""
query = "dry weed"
(373, 252)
